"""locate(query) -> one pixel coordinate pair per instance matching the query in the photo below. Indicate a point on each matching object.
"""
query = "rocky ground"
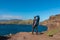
(29, 36)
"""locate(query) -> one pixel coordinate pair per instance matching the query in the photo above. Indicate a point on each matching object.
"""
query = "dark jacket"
(36, 21)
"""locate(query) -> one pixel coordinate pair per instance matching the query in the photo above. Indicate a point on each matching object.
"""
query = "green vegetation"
(54, 31)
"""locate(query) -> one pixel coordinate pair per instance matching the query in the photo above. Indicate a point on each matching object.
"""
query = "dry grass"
(53, 32)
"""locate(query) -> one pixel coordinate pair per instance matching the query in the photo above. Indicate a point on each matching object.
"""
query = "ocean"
(6, 29)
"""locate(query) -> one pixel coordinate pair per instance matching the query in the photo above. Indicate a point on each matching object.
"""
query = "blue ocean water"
(14, 28)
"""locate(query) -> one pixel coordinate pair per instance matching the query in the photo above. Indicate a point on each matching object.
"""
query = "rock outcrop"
(52, 22)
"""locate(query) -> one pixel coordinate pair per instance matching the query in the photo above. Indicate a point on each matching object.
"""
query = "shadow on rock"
(4, 38)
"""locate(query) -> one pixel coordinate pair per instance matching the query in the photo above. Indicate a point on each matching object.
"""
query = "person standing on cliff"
(35, 24)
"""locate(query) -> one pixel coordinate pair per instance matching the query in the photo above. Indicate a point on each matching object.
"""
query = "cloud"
(8, 17)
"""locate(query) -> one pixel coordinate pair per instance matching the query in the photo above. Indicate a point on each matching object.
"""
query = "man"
(35, 24)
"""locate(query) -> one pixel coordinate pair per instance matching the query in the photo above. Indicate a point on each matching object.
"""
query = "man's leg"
(36, 30)
(33, 30)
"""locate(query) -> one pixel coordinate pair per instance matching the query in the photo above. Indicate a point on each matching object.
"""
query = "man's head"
(37, 18)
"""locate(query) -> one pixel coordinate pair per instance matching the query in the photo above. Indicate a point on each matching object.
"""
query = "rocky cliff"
(52, 22)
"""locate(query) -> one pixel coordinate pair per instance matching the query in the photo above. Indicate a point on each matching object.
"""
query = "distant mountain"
(3, 20)
(16, 21)
(10, 20)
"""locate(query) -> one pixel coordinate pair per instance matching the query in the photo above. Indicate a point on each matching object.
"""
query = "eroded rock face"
(52, 22)
(52, 18)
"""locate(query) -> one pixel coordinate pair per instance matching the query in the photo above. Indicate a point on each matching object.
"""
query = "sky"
(27, 9)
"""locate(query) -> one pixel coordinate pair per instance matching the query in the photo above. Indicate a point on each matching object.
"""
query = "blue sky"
(27, 9)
